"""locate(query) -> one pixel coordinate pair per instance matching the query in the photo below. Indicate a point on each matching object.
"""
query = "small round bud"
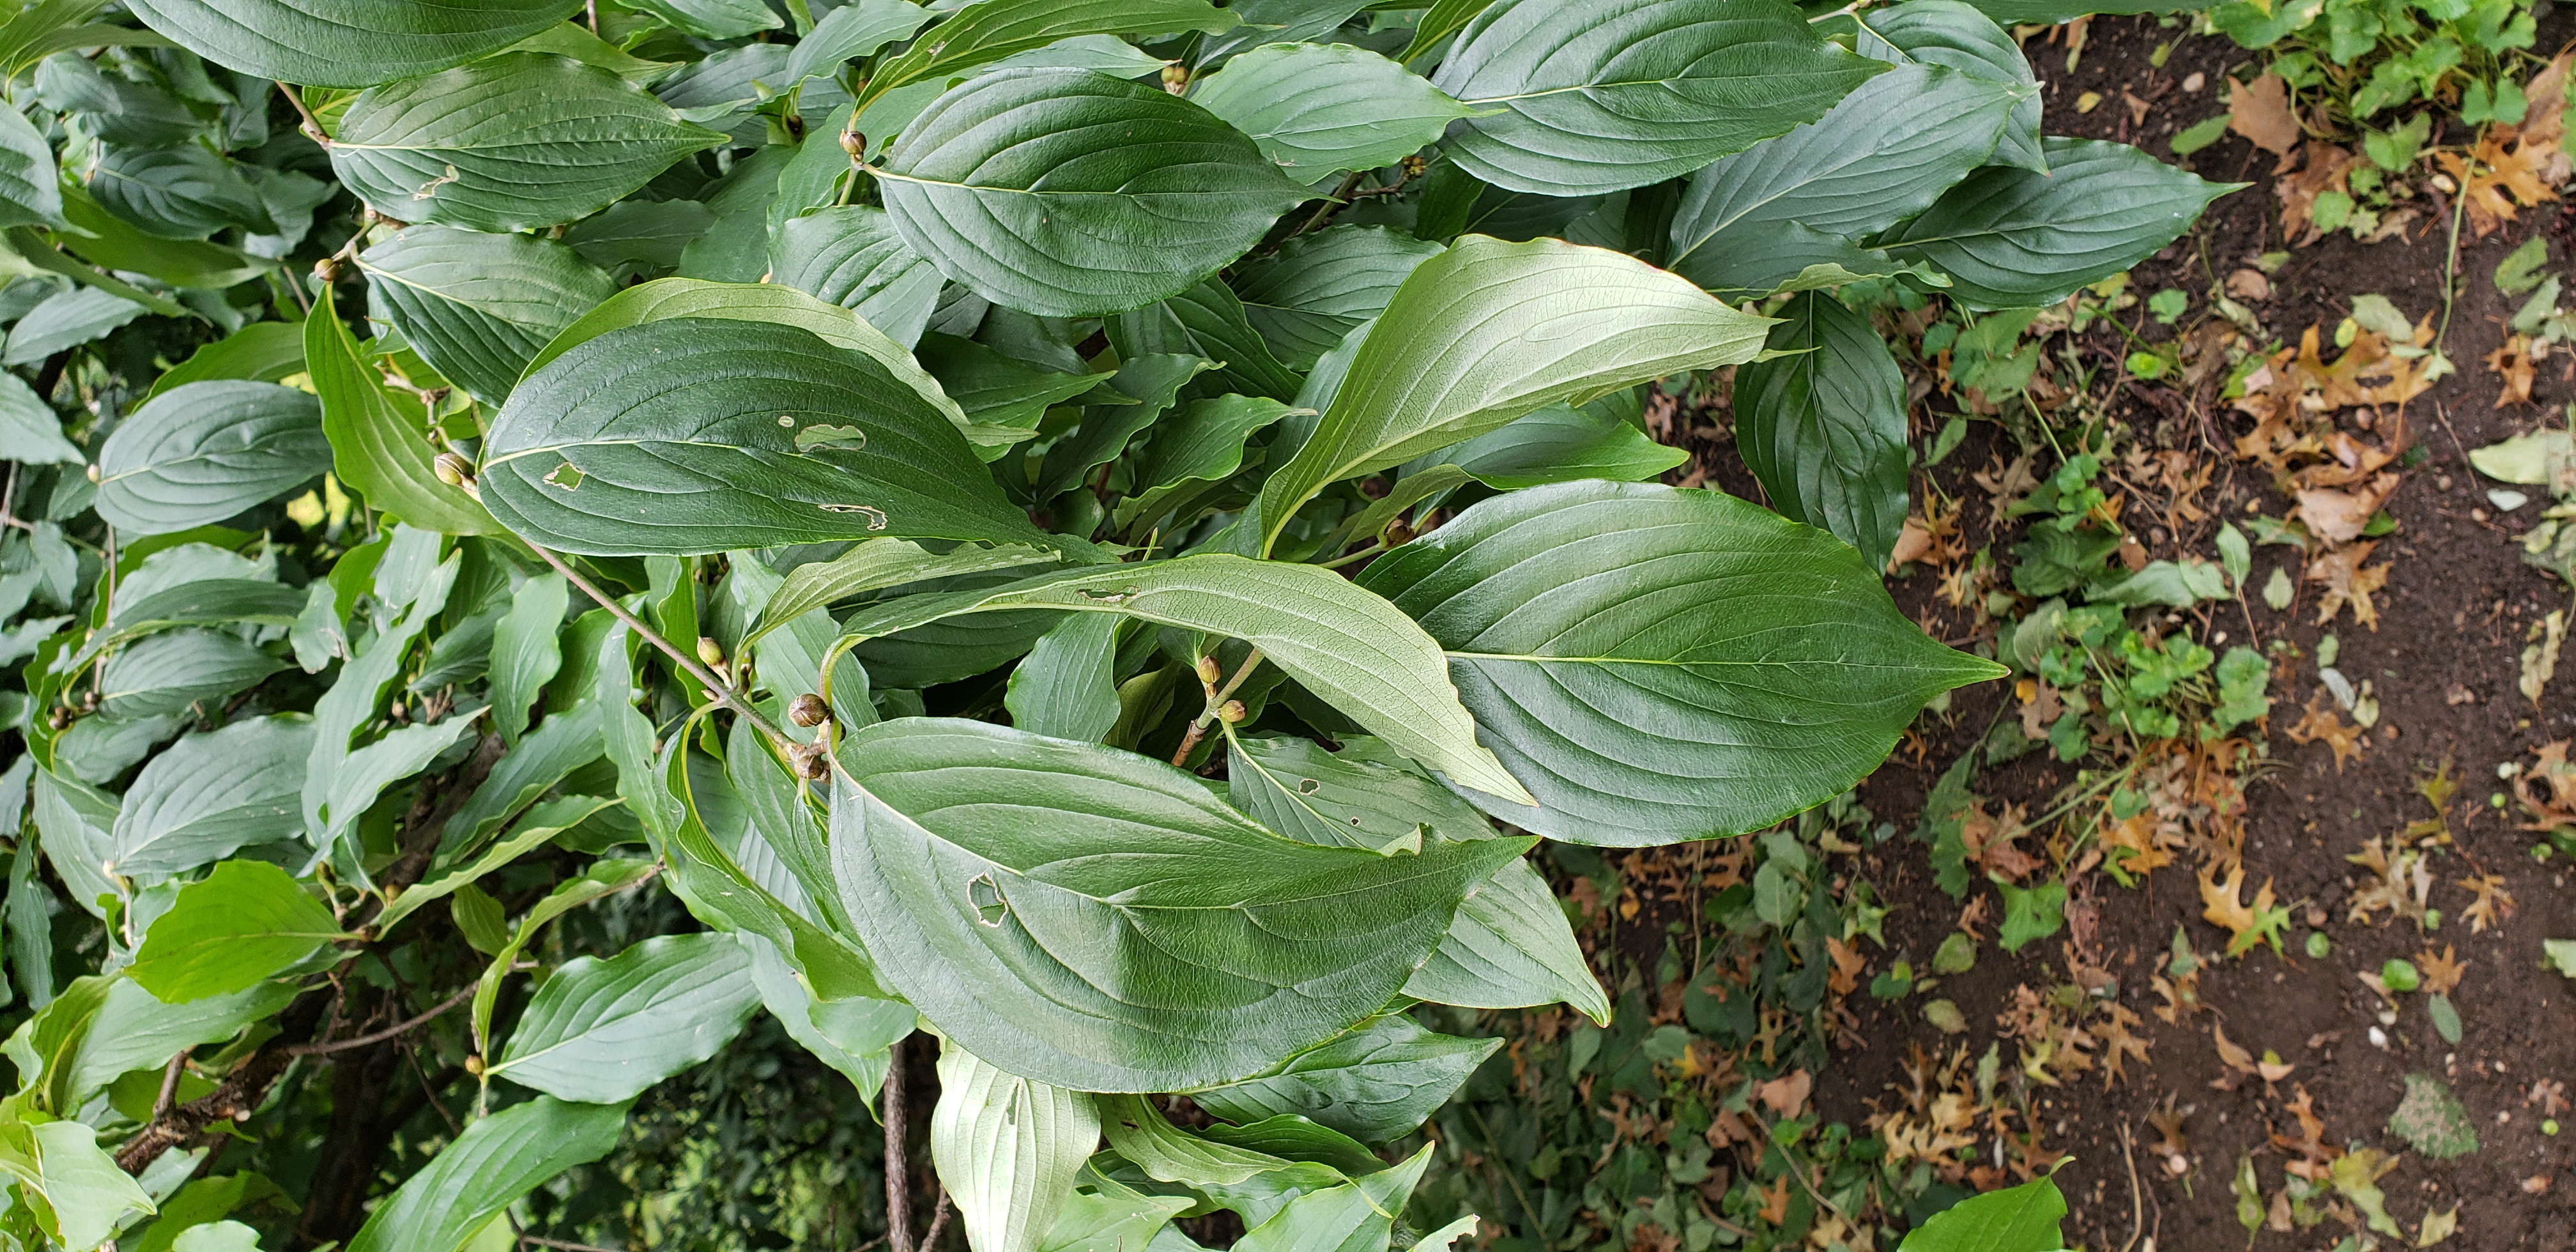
(1233, 712)
(93, 472)
(327, 269)
(1175, 79)
(854, 143)
(710, 651)
(1209, 670)
(810, 760)
(473, 1064)
(808, 710)
(453, 470)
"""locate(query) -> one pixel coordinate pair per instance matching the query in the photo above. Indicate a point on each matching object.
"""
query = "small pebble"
(2194, 81)
(2378, 1037)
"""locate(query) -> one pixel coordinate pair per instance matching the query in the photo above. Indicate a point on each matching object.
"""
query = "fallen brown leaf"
(2347, 583)
(2249, 285)
(2261, 112)
(1787, 1094)
(2322, 724)
(2513, 364)
(2338, 516)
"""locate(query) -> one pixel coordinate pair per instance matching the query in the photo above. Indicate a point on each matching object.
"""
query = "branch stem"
(722, 691)
(898, 1168)
(398, 1028)
(1216, 698)
(312, 125)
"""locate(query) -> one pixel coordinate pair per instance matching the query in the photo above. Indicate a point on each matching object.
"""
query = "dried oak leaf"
(2261, 112)
(2441, 973)
(2322, 724)
(2347, 583)
(2338, 516)
(2513, 364)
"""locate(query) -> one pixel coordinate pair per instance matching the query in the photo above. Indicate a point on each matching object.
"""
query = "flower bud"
(1209, 670)
(810, 761)
(808, 710)
(453, 470)
(1233, 712)
(710, 651)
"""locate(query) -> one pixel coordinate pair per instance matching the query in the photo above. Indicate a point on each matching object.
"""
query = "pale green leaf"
(1511, 947)
(1318, 109)
(485, 1170)
(239, 926)
(602, 1031)
(1007, 1149)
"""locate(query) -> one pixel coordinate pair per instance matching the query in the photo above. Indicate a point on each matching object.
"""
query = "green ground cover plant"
(1103, 531)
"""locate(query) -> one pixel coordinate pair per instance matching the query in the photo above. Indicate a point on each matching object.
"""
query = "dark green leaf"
(1376, 1083)
(210, 795)
(854, 30)
(476, 306)
(876, 564)
(379, 437)
(1067, 192)
(1206, 321)
(1036, 942)
(487, 1169)
(715, 19)
(264, 352)
(526, 651)
(738, 435)
(993, 29)
(508, 143)
(2009, 238)
(1363, 796)
(1318, 288)
(347, 43)
(602, 1031)
(1150, 383)
(1598, 95)
(67, 320)
(1511, 947)
(102, 238)
(1954, 34)
(1624, 644)
(1560, 444)
(30, 187)
(1824, 429)
(30, 433)
(638, 236)
(239, 926)
(206, 451)
(1318, 109)
(185, 191)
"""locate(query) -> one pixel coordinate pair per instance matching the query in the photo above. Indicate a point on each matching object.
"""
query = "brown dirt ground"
(2453, 615)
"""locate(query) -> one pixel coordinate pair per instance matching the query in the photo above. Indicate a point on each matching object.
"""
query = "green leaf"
(1148, 385)
(1600, 95)
(512, 142)
(1556, 444)
(1443, 19)
(1188, 452)
(2010, 238)
(76, 1191)
(379, 437)
(30, 433)
(2432, 1120)
(738, 435)
(2017, 1219)
(538, 825)
(1112, 1218)
(2445, 1015)
(1067, 192)
(1954, 34)
(401, 753)
(1354, 1217)
(1242, 1177)
(1824, 429)
(1007, 1149)
(602, 1031)
(73, 820)
(1350, 648)
(526, 651)
(30, 185)
(1001, 400)
(1364, 796)
(239, 926)
(2560, 955)
(715, 19)
(266, 352)
(1030, 942)
(993, 29)
(1488, 331)
(1511, 947)
(102, 238)
(852, 257)
(68, 320)
(1318, 288)
(132, 1030)
(604, 877)
(2031, 913)
(573, 40)
(475, 306)
(1318, 109)
(876, 564)
(638, 236)
(852, 31)
(210, 795)
(180, 192)
(1375, 1083)
(849, 1035)
(1067, 687)
(346, 43)
(166, 674)
(1623, 644)
(1884, 154)
(1206, 321)
(496, 1161)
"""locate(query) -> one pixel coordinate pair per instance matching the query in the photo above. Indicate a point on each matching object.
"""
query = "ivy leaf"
(508, 143)
(239, 926)
(1622, 643)
(1023, 941)
(479, 306)
(1008, 1149)
(2011, 238)
(602, 1031)
(1823, 426)
(1488, 331)
(1318, 109)
(346, 43)
(1600, 95)
(379, 437)
(702, 434)
(1066, 193)
(496, 1161)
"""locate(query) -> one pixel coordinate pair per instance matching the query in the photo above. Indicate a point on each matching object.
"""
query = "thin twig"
(566, 1246)
(2451, 271)
(1216, 698)
(170, 1083)
(1341, 196)
(312, 125)
(723, 692)
(898, 1169)
(938, 1223)
(2137, 1203)
(360, 1041)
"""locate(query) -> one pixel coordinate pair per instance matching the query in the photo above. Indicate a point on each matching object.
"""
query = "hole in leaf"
(1308, 786)
(876, 517)
(833, 438)
(986, 896)
(567, 476)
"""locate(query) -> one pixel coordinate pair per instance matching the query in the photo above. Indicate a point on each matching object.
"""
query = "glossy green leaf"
(602, 1031)
(30, 432)
(169, 673)
(1599, 95)
(1511, 947)
(526, 651)
(1362, 796)
(1956, 35)
(1007, 1149)
(1144, 937)
(1488, 331)
(1351, 649)
(1885, 153)
(1206, 321)
(738, 435)
(852, 257)
(1067, 192)
(2009, 238)
(1376, 1083)
(980, 33)
(84, 1194)
(852, 31)
(264, 352)
(477, 306)
(1318, 288)
(507, 143)
(2016, 1219)
(239, 926)
(210, 795)
(1660, 664)
(496, 1161)
(186, 191)
(1067, 686)
(1824, 429)
(379, 437)
(1318, 109)
(346, 43)
(30, 186)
